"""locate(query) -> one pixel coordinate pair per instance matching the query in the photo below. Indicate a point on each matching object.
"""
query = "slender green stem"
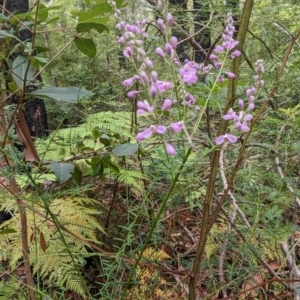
(156, 220)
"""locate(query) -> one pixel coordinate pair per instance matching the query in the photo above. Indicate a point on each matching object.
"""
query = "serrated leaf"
(86, 46)
(20, 70)
(69, 94)
(126, 149)
(62, 171)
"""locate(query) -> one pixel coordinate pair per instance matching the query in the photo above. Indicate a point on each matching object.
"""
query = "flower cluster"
(242, 118)
(132, 39)
(228, 44)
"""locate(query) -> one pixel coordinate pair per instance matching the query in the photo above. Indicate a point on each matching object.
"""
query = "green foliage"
(49, 256)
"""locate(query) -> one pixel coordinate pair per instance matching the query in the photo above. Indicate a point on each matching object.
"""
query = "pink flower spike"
(177, 127)
(160, 52)
(170, 149)
(167, 105)
(230, 75)
(132, 94)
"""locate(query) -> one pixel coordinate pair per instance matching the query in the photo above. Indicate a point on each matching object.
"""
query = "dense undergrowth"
(163, 177)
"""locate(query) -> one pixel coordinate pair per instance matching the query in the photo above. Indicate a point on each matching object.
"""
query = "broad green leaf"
(115, 169)
(86, 26)
(41, 49)
(3, 17)
(62, 171)
(52, 20)
(86, 46)
(69, 94)
(5, 34)
(40, 60)
(126, 149)
(43, 10)
(22, 70)
(94, 12)
(42, 13)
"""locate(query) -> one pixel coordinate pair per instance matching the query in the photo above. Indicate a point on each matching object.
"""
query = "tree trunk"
(34, 109)
(203, 38)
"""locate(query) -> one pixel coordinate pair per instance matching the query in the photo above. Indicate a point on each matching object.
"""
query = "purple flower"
(132, 94)
(167, 105)
(160, 23)
(127, 52)
(219, 49)
(169, 49)
(144, 77)
(121, 40)
(235, 54)
(190, 78)
(144, 107)
(170, 19)
(190, 99)
(163, 86)
(128, 82)
(153, 91)
(147, 133)
(222, 138)
(177, 127)
(170, 149)
(148, 63)
(231, 115)
(247, 117)
(174, 42)
(154, 76)
(221, 79)
(230, 75)
(242, 126)
(160, 52)
(241, 103)
(213, 57)
(141, 51)
(251, 107)
(217, 64)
